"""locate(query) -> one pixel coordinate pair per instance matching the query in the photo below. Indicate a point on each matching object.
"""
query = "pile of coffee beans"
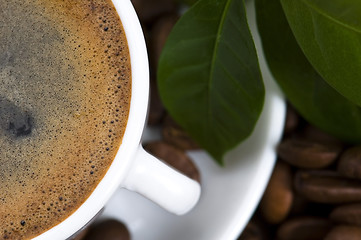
(314, 191)
(109, 229)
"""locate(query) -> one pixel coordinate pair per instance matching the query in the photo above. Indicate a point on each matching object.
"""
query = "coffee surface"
(64, 103)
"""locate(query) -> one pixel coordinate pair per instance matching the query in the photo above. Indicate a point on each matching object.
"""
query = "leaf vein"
(316, 9)
(214, 57)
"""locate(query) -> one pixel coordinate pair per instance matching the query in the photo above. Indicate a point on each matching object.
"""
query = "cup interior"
(133, 132)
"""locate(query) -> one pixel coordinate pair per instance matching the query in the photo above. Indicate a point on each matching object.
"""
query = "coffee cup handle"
(162, 184)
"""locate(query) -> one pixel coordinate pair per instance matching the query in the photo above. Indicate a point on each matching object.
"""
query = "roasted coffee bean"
(149, 10)
(292, 120)
(278, 196)
(251, 232)
(348, 214)
(175, 135)
(175, 157)
(305, 154)
(327, 187)
(304, 228)
(108, 230)
(158, 36)
(344, 232)
(350, 163)
(156, 40)
(313, 134)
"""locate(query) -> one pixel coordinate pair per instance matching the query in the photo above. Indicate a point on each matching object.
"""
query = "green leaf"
(329, 33)
(209, 78)
(317, 102)
(188, 2)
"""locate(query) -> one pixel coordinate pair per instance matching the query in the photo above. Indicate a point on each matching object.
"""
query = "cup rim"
(133, 131)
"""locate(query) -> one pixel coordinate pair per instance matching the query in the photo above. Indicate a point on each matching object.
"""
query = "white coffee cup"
(133, 168)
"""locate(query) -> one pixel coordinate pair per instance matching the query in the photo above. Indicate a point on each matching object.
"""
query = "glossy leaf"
(317, 102)
(188, 2)
(208, 75)
(329, 33)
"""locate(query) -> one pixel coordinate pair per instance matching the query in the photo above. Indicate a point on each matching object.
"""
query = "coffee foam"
(64, 102)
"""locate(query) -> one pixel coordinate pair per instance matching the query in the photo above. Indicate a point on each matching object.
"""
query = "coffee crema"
(64, 101)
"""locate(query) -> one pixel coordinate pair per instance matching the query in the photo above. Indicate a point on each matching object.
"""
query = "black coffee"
(64, 102)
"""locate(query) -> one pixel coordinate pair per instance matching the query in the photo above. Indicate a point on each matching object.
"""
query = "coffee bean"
(344, 233)
(175, 157)
(313, 134)
(327, 187)
(158, 36)
(108, 230)
(350, 163)
(304, 228)
(305, 154)
(292, 120)
(156, 40)
(251, 232)
(278, 196)
(175, 135)
(150, 10)
(348, 214)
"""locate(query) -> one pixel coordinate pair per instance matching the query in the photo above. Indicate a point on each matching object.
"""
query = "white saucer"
(230, 194)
